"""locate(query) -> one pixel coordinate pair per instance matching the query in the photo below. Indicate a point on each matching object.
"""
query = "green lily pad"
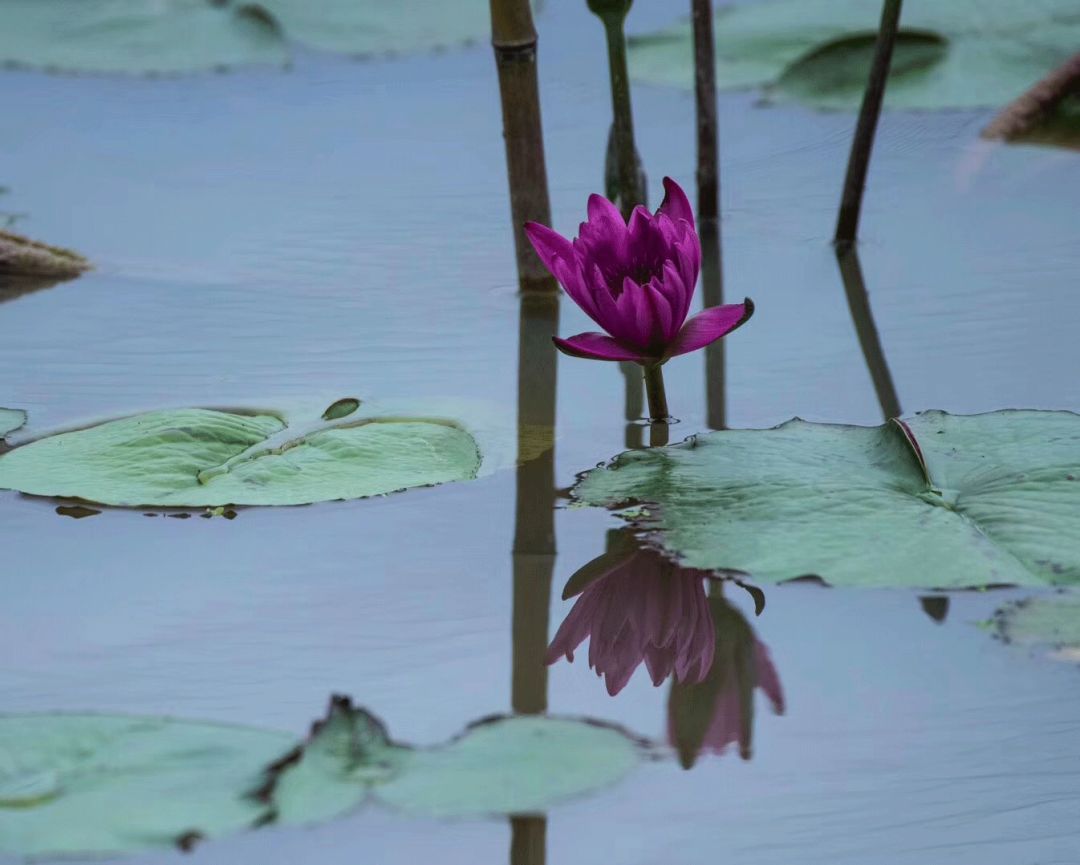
(134, 36)
(176, 36)
(956, 54)
(208, 458)
(375, 27)
(10, 420)
(942, 501)
(98, 785)
(502, 765)
(1049, 622)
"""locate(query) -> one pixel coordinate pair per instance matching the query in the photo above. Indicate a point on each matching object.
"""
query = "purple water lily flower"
(636, 281)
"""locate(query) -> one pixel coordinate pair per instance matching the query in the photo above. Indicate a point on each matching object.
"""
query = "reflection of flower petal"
(767, 677)
(640, 609)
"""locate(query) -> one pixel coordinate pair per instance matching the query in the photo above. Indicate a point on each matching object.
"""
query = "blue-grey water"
(266, 236)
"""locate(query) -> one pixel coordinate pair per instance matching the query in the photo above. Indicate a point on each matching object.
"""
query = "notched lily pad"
(210, 458)
(956, 54)
(942, 501)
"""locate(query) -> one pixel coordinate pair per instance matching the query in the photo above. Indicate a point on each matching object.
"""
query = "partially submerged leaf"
(25, 257)
(134, 36)
(341, 408)
(853, 506)
(206, 458)
(100, 785)
(961, 53)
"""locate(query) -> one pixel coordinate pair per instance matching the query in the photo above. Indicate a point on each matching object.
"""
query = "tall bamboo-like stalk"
(847, 223)
(625, 176)
(513, 37)
(708, 147)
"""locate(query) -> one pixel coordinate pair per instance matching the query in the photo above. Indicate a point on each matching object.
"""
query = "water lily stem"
(513, 38)
(654, 389)
(631, 189)
(847, 223)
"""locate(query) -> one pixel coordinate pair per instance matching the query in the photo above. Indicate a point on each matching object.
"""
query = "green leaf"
(98, 784)
(1050, 622)
(375, 27)
(513, 765)
(10, 420)
(22, 256)
(201, 457)
(134, 36)
(997, 503)
(176, 36)
(961, 53)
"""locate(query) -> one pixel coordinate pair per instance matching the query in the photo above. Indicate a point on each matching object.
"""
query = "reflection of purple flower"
(640, 607)
(719, 711)
(636, 281)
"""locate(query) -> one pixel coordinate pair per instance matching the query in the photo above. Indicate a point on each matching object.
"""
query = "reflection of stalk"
(625, 176)
(712, 287)
(863, 317)
(534, 537)
(514, 40)
(633, 402)
(528, 840)
(708, 172)
(534, 531)
(847, 224)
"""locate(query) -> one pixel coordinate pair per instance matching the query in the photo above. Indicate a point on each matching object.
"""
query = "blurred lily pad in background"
(943, 501)
(202, 457)
(177, 36)
(955, 54)
(1051, 622)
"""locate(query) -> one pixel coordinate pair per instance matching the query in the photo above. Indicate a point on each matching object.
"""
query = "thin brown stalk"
(708, 160)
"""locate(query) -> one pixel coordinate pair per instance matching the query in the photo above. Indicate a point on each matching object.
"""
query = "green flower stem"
(654, 389)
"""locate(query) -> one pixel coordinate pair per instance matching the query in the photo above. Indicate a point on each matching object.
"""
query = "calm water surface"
(266, 237)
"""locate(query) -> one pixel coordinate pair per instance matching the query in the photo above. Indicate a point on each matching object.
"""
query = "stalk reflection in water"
(534, 536)
(859, 303)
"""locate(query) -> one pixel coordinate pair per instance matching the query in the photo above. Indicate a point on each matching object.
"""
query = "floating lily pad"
(374, 27)
(1050, 622)
(97, 785)
(961, 53)
(10, 420)
(134, 36)
(176, 36)
(942, 502)
(202, 457)
(503, 765)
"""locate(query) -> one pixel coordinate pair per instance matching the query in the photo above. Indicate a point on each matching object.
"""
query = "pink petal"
(597, 346)
(675, 204)
(549, 245)
(709, 325)
(635, 314)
